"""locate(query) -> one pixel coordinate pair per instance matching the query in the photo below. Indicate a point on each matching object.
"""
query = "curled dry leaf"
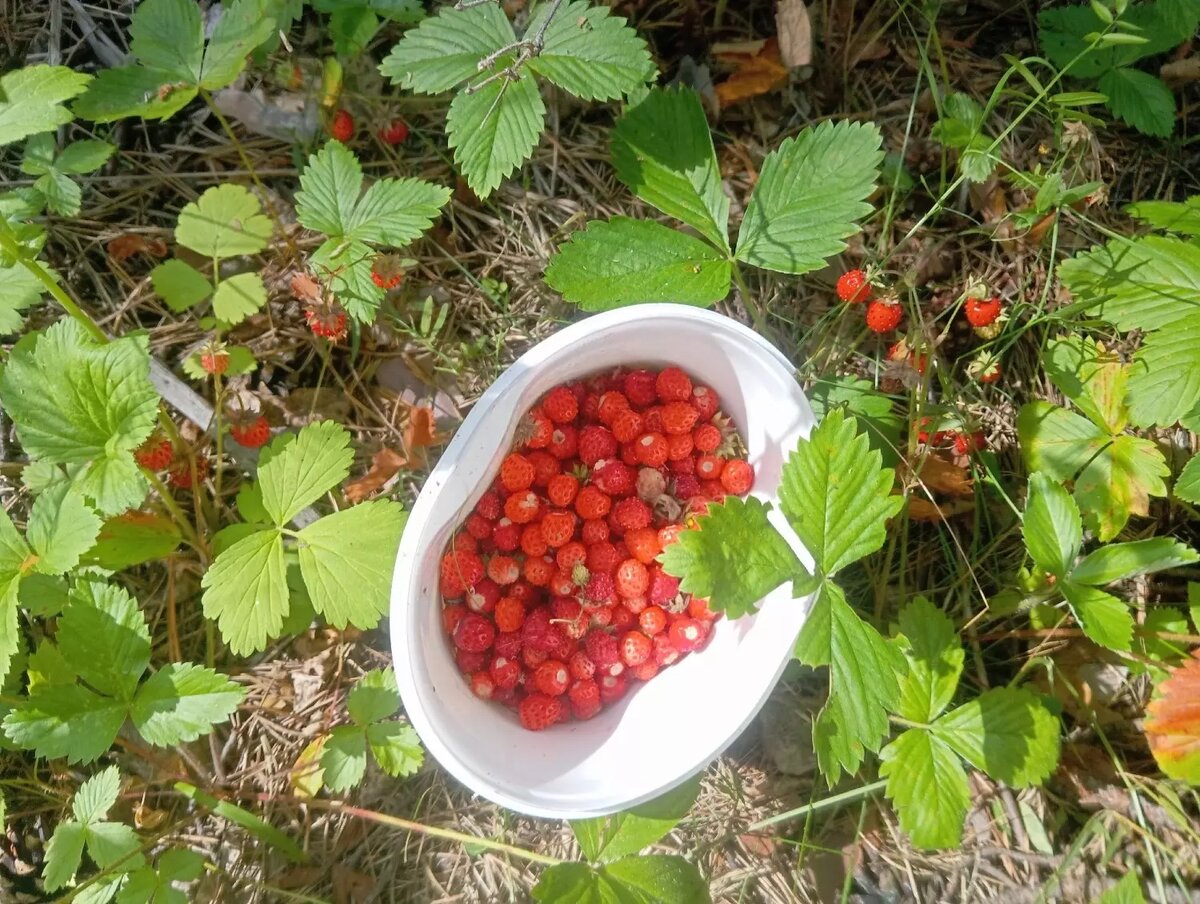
(385, 464)
(756, 73)
(940, 475)
(304, 287)
(795, 33)
(128, 244)
(1173, 722)
(421, 430)
(923, 510)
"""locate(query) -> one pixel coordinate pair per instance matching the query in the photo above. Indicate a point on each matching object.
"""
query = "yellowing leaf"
(1173, 723)
(756, 74)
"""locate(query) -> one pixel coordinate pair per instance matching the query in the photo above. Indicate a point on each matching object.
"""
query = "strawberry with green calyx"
(214, 358)
(985, 368)
(326, 319)
(884, 314)
(156, 454)
(250, 430)
(853, 287)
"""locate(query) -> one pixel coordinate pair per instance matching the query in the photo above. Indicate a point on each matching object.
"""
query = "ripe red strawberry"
(652, 449)
(560, 405)
(482, 685)
(479, 527)
(705, 401)
(981, 311)
(341, 127)
(516, 472)
(581, 666)
(639, 388)
(545, 466)
(594, 531)
(686, 487)
(508, 645)
(484, 596)
(214, 360)
(631, 514)
(663, 587)
(539, 570)
(531, 657)
(678, 417)
(506, 535)
(521, 508)
(632, 579)
(595, 443)
(252, 435)
(652, 620)
(709, 467)
(636, 648)
(459, 570)
(611, 404)
(853, 286)
(536, 430)
(387, 271)
(327, 321)
(540, 711)
(561, 489)
(180, 476)
(737, 477)
(673, 385)
(614, 478)
(584, 695)
(604, 557)
(602, 648)
(533, 541)
(600, 588)
(395, 132)
(489, 506)
(504, 672)
(626, 425)
(664, 651)
(646, 670)
(474, 633)
(558, 528)
(687, 634)
(591, 503)
(570, 555)
(155, 454)
(538, 632)
(643, 544)
(564, 442)
(652, 420)
(680, 448)
(612, 688)
(509, 614)
(883, 316)
(504, 570)
(552, 678)
(469, 662)
(706, 438)
(965, 443)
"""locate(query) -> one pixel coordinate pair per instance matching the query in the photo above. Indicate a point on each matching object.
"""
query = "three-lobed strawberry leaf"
(109, 844)
(394, 745)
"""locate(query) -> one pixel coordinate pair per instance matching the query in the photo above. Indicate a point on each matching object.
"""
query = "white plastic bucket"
(670, 728)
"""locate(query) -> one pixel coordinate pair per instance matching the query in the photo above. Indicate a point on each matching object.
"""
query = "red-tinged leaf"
(756, 74)
(384, 465)
(305, 288)
(1173, 726)
(128, 244)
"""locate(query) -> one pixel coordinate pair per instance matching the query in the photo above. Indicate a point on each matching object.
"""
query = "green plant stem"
(751, 305)
(335, 806)
(185, 526)
(836, 800)
(60, 295)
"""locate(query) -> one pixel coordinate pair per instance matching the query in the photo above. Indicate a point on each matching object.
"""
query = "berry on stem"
(981, 312)
(883, 316)
(252, 434)
(341, 127)
(853, 287)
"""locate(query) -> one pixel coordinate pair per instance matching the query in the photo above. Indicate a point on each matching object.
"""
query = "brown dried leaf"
(756, 74)
(923, 510)
(305, 288)
(421, 430)
(1173, 723)
(299, 877)
(128, 244)
(1178, 71)
(350, 886)
(939, 474)
(795, 33)
(384, 465)
(758, 845)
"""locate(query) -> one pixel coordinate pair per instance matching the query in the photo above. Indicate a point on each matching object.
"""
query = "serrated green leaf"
(133, 91)
(133, 538)
(589, 52)
(663, 151)
(96, 796)
(63, 195)
(396, 748)
(31, 100)
(344, 759)
(836, 495)
(608, 838)
(1127, 891)
(1173, 216)
(10, 585)
(352, 28)
(1137, 284)
(19, 290)
(245, 591)
(168, 35)
(1148, 642)
(148, 885)
(1120, 561)
(865, 402)
(47, 666)
(395, 211)
(1094, 379)
(927, 785)
(935, 661)
(300, 469)
(809, 194)
(494, 129)
(1103, 617)
(44, 596)
(1164, 383)
(111, 842)
(62, 527)
(655, 879)
(225, 221)
(75, 401)
(181, 702)
(103, 634)
(83, 156)
(445, 49)
(375, 697)
(361, 541)
(863, 681)
(1007, 732)
(574, 882)
(1140, 99)
(238, 297)
(180, 285)
(1052, 526)
(329, 189)
(348, 267)
(243, 26)
(733, 557)
(64, 854)
(1187, 487)
(66, 720)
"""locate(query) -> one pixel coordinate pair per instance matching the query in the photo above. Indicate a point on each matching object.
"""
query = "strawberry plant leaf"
(361, 541)
(733, 557)
(1103, 617)
(608, 838)
(1007, 732)
(1174, 216)
(245, 591)
(181, 702)
(131, 539)
(1093, 378)
(1165, 382)
(62, 527)
(1187, 487)
(64, 855)
(930, 643)
(19, 290)
(589, 52)
(872, 408)
(75, 401)
(375, 697)
(238, 297)
(329, 190)
(927, 785)
(225, 221)
(243, 26)
(1127, 891)
(66, 720)
(168, 35)
(1119, 561)
(663, 151)
(103, 634)
(344, 759)
(180, 285)
(493, 129)
(96, 796)
(835, 494)
(31, 100)
(1140, 99)
(575, 882)
(809, 194)
(863, 681)
(110, 842)
(83, 156)
(298, 470)
(1173, 726)
(445, 49)
(622, 261)
(150, 885)
(654, 879)
(133, 91)
(1052, 526)
(393, 212)
(396, 748)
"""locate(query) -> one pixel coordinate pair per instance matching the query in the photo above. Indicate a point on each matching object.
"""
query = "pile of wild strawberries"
(552, 594)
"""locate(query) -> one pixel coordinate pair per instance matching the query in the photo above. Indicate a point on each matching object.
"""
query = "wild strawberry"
(459, 570)
(580, 666)
(181, 476)
(652, 620)
(524, 592)
(680, 448)
(509, 614)
(155, 454)
(678, 417)
(652, 421)
(503, 570)
(614, 478)
(705, 401)
(533, 541)
(507, 644)
(482, 598)
(451, 615)
(853, 287)
(558, 528)
(600, 588)
(564, 442)
(522, 507)
(545, 466)
(687, 634)
(504, 672)
(643, 544)
(341, 127)
(686, 487)
(474, 633)
(570, 554)
(883, 316)
(532, 657)
(640, 389)
(469, 661)
(561, 489)
(538, 570)
(395, 132)
(602, 648)
(540, 711)
(629, 454)
(626, 425)
(584, 696)
(252, 435)
(595, 443)
(709, 467)
(552, 678)
(538, 632)
(536, 430)
(737, 477)
(706, 438)
(326, 320)
(652, 449)
(387, 271)
(506, 535)
(636, 648)
(592, 503)
(646, 670)
(462, 542)
(612, 688)
(631, 514)
(673, 385)
(516, 472)
(611, 404)
(560, 405)
(665, 652)
(663, 587)
(479, 527)
(631, 579)
(488, 506)
(965, 443)
(482, 685)
(603, 557)
(981, 312)
(214, 359)
(598, 616)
